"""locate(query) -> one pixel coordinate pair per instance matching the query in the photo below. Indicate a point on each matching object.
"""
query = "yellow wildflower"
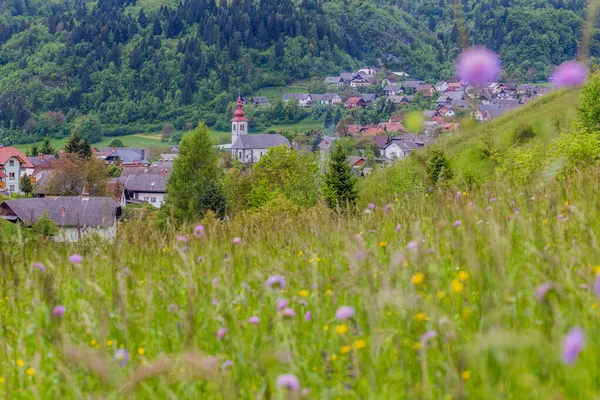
(325, 327)
(465, 375)
(597, 270)
(359, 344)
(346, 349)
(317, 258)
(405, 263)
(181, 370)
(311, 261)
(341, 329)
(388, 313)
(328, 292)
(20, 363)
(333, 357)
(93, 342)
(421, 317)
(466, 313)
(109, 342)
(457, 286)
(594, 306)
(2, 380)
(441, 294)
(300, 253)
(417, 345)
(417, 279)
(165, 249)
(141, 351)
(30, 371)
(463, 275)
(303, 293)
(383, 244)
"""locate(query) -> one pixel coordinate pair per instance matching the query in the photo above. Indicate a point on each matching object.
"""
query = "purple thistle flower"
(226, 363)
(288, 312)
(122, 356)
(431, 251)
(182, 239)
(215, 302)
(236, 240)
(58, 311)
(221, 332)
(281, 304)
(572, 345)
(570, 73)
(493, 200)
(458, 195)
(478, 66)
(412, 245)
(75, 259)
(560, 216)
(171, 308)
(457, 223)
(372, 206)
(597, 287)
(427, 336)
(199, 231)
(289, 382)
(275, 280)
(39, 266)
(200, 259)
(386, 208)
(344, 312)
(254, 320)
(308, 316)
(542, 290)
(398, 227)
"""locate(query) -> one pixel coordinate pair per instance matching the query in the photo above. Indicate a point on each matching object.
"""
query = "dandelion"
(75, 259)
(570, 73)
(344, 312)
(288, 313)
(58, 311)
(465, 375)
(325, 328)
(308, 316)
(398, 227)
(39, 266)
(478, 66)
(122, 356)
(346, 349)
(417, 279)
(226, 363)
(457, 223)
(359, 344)
(383, 244)
(236, 240)
(20, 363)
(281, 304)
(30, 371)
(440, 294)
(329, 292)
(141, 351)
(303, 293)
(341, 329)
(254, 320)
(457, 286)
(221, 332)
(542, 290)
(572, 345)
(199, 231)
(463, 275)
(275, 280)
(421, 317)
(289, 382)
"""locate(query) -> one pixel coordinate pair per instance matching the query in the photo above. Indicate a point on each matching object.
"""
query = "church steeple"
(239, 124)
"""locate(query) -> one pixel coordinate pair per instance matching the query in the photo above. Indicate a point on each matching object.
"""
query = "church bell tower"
(239, 124)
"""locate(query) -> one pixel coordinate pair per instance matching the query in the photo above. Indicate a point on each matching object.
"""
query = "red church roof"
(239, 113)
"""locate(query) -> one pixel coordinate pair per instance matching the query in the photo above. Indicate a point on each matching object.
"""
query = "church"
(250, 148)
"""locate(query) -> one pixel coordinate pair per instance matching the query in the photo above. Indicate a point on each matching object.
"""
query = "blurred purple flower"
(226, 363)
(254, 320)
(478, 66)
(122, 356)
(427, 336)
(359, 255)
(542, 290)
(58, 311)
(488, 208)
(431, 251)
(236, 240)
(76, 258)
(493, 200)
(215, 302)
(412, 245)
(572, 345)
(372, 206)
(171, 308)
(560, 216)
(344, 312)
(597, 287)
(288, 381)
(215, 282)
(221, 332)
(470, 203)
(398, 227)
(200, 259)
(307, 316)
(458, 195)
(288, 312)
(281, 304)
(39, 266)
(275, 280)
(182, 239)
(199, 230)
(457, 223)
(570, 73)
(386, 208)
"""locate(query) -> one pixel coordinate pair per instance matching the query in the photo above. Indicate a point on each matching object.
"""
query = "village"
(142, 181)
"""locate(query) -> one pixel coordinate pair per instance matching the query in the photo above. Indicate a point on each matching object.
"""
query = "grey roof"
(126, 154)
(317, 97)
(152, 169)
(150, 183)
(37, 161)
(441, 83)
(259, 141)
(429, 113)
(403, 144)
(347, 76)
(392, 88)
(442, 99)
(413, 84)
(333, 79)
(330, 96)
(297, 96)
(260, 100)
(456, 95)
(95, 211)
(369, 97)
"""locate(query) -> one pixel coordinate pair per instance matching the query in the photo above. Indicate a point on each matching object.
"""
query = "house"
(446, 111)
(260, 101)
(334, 80)
(426, 90)
(398, 148)
(332, 99)
(347, 77)
(392, 127)
(369, 98)
(144, 188)
(441, 86)
(401, 74)
(450, 126)
(362, 80)
(369, 70)
(155, 168)
(400, 99)
(123, 155)
(304, 100)
(503, 95)
(76, 216)
(373, 130)
(393, 90)
(353, 102)
(356, 161)
(429, 113)
(412, 86)
(41, 159)
(455, 87)
(168, 157)
(326, 142)
(13, 165)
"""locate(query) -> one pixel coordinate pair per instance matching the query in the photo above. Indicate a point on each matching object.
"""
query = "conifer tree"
(195, 185)
(340, 188)
(26, 185)
(47, 147)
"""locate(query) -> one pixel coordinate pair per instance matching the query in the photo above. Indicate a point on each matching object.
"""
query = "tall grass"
(164, 300)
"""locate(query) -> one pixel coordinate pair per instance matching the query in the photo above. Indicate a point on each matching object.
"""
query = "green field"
(274, 93)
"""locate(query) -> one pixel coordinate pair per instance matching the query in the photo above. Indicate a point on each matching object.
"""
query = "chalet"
(398, 148)
(148, 188)
(76, 216)
(362, 80)
(392, 127)
(446, 111)
(450, 126)
(304, 100)
(503, 95)
(369, 70)
(426, 90)
(327, 99)
(444, 99)
(354, 102)
(41, 159)
(325, 144)
(441, 86)
(13, 165)
(260, 101)
(123, 155)
(347, 77)
(369, 98)
(334, 80)
(526, 89)
(393, 90)
(412, 86)
(455, 87)
(373, 130)
(402, 100)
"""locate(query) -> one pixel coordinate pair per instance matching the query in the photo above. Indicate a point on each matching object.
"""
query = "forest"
(116, 67)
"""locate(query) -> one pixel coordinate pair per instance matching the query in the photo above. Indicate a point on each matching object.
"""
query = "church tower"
(239, 124)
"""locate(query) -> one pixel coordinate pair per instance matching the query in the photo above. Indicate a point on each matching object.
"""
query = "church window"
(242, 127)
(234, 127)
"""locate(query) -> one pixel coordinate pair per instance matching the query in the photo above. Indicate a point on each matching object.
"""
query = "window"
(233, 127)
(11, 163)
(240, 154)
(145, 199)
(152, 199)
(12, 188)
(242, 127)
(11, 176)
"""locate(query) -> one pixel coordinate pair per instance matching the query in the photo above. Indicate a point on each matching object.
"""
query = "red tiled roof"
(9, 152)
(353, 129)
(353, 100)
(393, 126)
(438, 119)
(373, 131)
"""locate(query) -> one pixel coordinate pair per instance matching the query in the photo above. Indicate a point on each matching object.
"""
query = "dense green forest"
(115, 67)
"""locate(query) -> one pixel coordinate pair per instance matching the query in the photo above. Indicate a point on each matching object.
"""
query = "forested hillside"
(131, 66)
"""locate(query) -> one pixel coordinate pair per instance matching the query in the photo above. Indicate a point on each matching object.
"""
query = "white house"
(369, 70)
(76, 216)
(399, 148)
(441, 86)
(304, 99)
(13, 165)
(144, 188)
